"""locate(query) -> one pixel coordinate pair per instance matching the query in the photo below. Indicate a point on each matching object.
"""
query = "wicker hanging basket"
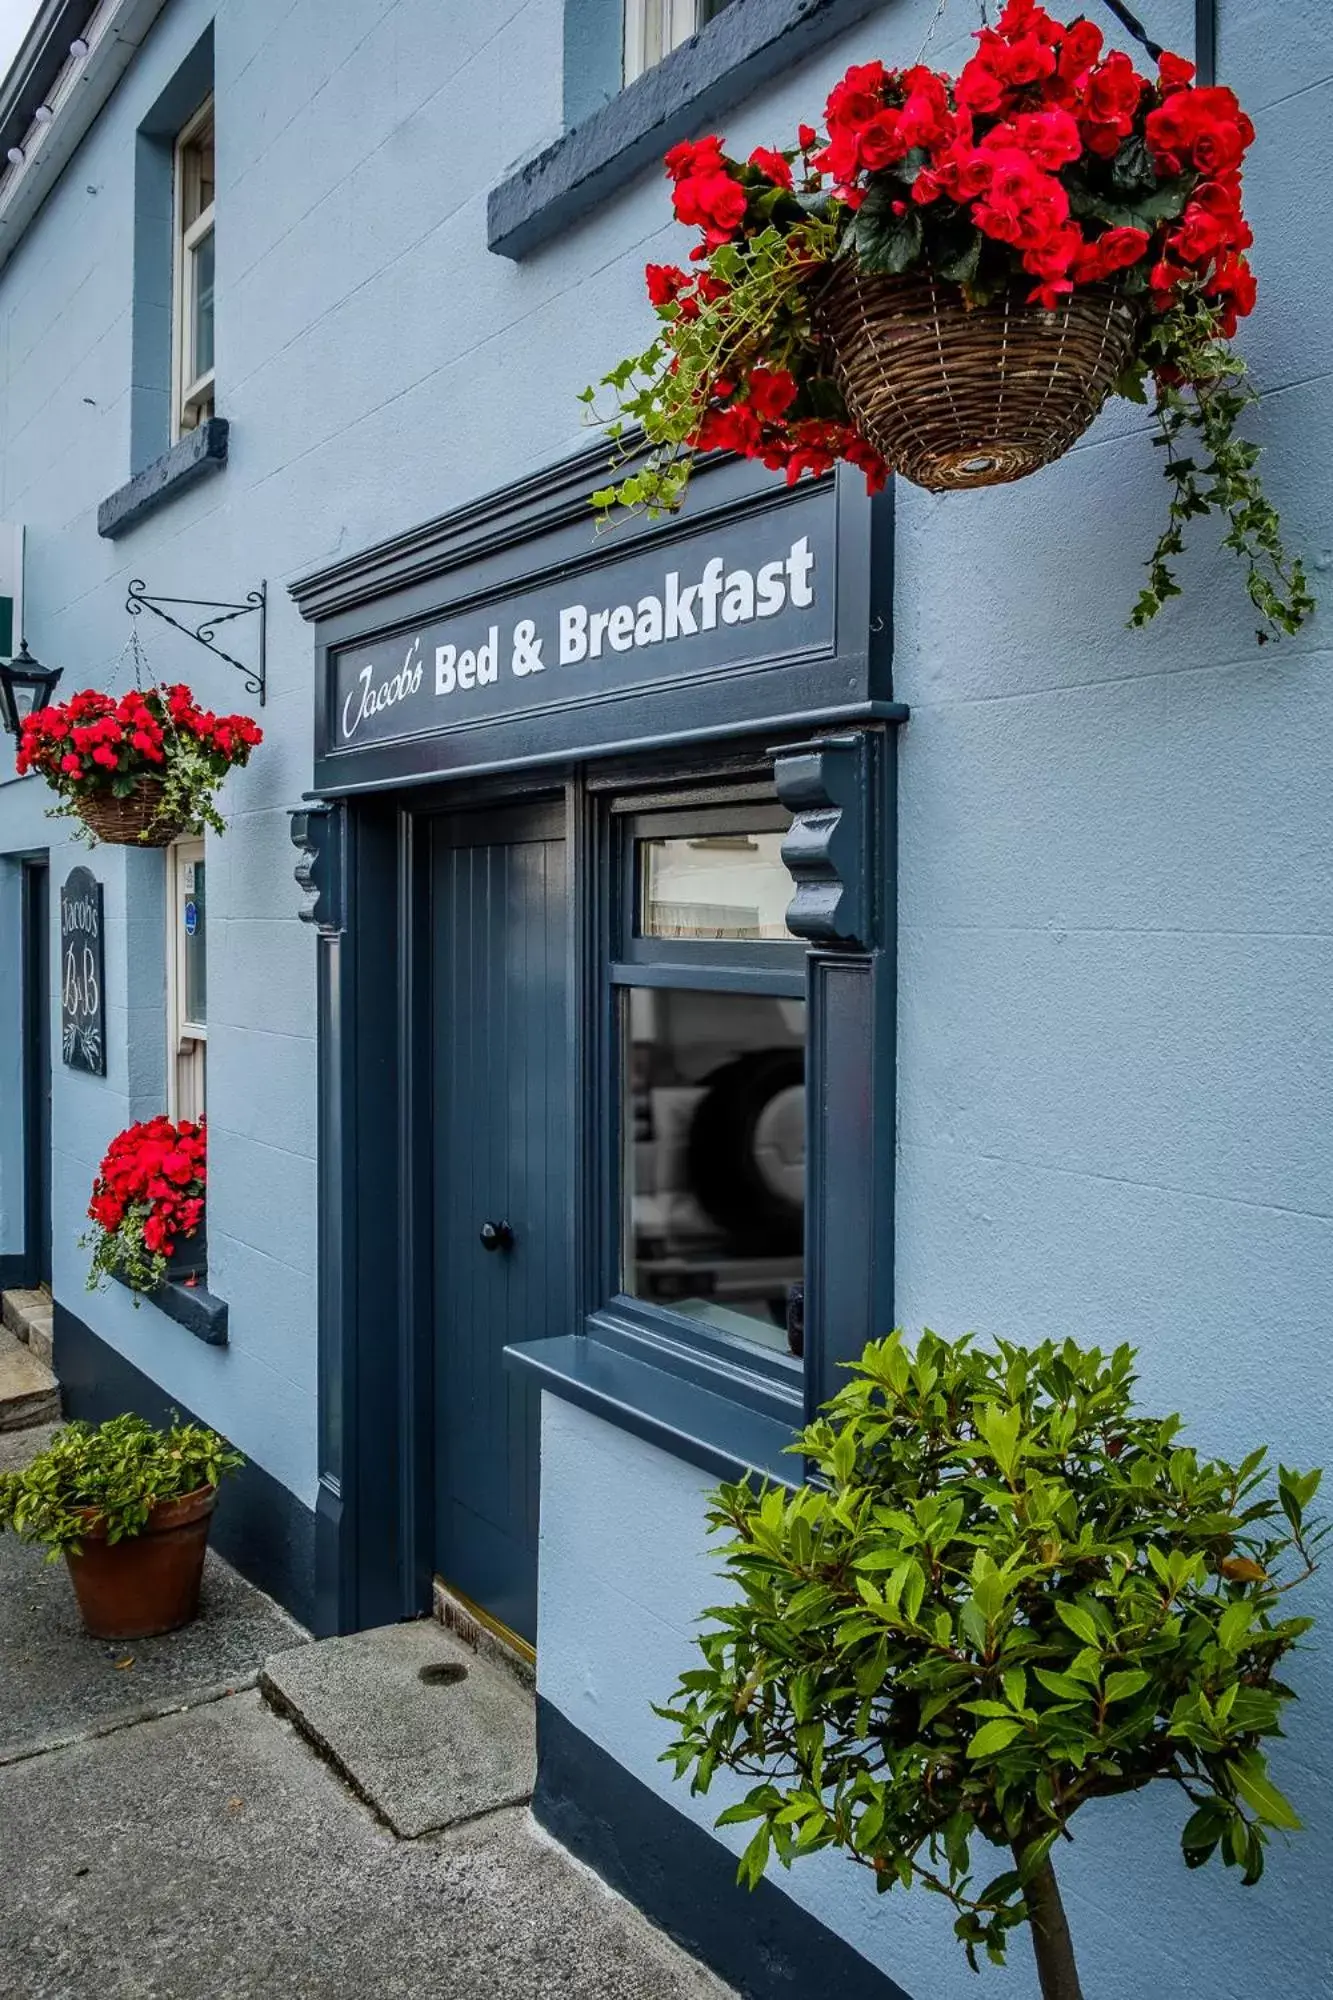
(133, 821)
(956, 395)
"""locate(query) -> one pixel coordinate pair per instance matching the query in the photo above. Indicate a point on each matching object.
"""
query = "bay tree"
(1002, 1594)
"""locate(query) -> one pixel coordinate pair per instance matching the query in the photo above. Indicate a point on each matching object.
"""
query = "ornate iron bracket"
(220, 611)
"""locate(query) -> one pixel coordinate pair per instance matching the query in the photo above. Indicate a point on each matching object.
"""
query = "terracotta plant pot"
(148, 1583)
(133, 821)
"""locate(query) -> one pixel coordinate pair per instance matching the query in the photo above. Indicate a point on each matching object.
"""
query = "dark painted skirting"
(260, 1527)
(15, 1271)
(761, 1942)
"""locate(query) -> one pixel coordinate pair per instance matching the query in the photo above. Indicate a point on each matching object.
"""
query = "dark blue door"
(499, 972)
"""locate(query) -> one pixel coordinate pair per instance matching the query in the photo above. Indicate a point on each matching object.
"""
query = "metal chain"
(1133, 26)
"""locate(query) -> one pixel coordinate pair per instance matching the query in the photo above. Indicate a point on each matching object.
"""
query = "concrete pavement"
(164, 1839)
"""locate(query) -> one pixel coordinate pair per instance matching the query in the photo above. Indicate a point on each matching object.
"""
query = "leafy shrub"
(1005, 1595)
(121, 1469)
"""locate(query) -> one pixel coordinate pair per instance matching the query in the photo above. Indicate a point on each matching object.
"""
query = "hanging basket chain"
(1133, 26)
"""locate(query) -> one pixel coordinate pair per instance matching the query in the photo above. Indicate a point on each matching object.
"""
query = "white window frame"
(187, 1041)
(653, 28)
(192, 395)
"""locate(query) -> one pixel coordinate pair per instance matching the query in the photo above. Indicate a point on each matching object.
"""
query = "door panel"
(500, 1104)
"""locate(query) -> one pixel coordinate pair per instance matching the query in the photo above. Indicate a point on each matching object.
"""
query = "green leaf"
(755, 1858)
(956, 252)
(1016, 1687)
(1250, 1776)
(886, 243)
(1061, 1684)
(1234, 1625)
(1119, 1687)
(993, 1737)
(1132, 170)
(1080, 1623)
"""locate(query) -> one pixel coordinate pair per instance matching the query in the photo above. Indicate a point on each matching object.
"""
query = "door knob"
(496, 1236)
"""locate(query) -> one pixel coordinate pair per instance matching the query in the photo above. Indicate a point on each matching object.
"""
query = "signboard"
(82, 1007)
(738, 595)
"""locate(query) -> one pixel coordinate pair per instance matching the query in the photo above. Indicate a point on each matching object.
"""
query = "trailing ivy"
(1202, 391)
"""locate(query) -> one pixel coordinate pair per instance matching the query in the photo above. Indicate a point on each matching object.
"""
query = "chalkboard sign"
(82, 1012)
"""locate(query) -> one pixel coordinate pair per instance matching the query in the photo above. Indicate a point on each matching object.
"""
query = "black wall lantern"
(25, 684)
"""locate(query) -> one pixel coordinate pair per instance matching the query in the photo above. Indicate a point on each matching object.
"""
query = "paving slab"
(56, 1682)
(19, 1448)
(213, 1856)
(427, 1731)
(29, 1392)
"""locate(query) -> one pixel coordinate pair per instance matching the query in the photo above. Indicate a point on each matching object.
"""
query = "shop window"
(653, 28)
(193, 274)
(709, 1025)
(187, 979)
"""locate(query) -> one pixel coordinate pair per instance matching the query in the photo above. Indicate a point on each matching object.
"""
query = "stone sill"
(199, 452)
(195, 1308)
(726, 62)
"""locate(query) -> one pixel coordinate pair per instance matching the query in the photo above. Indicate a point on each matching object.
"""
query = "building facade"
(564, 1138)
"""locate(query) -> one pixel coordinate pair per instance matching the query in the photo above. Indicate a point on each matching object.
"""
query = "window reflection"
(714, 1157)
(714, 885)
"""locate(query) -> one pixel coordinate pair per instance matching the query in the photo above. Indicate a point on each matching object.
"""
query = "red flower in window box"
(147, 1200)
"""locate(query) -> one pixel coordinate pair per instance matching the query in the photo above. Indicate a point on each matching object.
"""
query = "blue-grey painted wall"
(1117, 1006)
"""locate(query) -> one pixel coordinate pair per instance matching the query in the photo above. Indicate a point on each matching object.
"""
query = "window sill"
(199, 452)
(724, 1438)
(724, 63)
(199, 1311)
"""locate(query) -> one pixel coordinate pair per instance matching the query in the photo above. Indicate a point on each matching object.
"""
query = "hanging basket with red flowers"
(147, 1203)
(951, 279)
(139, 770)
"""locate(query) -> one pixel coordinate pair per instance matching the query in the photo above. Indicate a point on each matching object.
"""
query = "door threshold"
(478, 1629)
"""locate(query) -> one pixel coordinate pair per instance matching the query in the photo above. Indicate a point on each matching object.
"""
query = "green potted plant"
(1006, 1594)
(129, 1507)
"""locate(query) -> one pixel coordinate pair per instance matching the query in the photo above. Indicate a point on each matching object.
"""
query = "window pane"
(196, 970)
(201, 333)
(716, 885)
(714, 1156)
(197, 176)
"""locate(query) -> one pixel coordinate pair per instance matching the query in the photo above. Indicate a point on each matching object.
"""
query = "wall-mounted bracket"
(219, 612)
(826, 787)
(319, 832)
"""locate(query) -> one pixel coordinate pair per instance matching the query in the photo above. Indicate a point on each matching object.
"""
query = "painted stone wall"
(1115, 1083)
(1114, 1098)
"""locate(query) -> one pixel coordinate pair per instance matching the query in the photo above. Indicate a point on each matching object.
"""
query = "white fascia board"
(114, 36)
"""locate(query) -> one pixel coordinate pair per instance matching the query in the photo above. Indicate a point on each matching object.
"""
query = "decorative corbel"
(826, 786)
(319, 830)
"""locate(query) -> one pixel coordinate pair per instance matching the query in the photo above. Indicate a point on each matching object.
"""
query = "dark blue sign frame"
(517, 632)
